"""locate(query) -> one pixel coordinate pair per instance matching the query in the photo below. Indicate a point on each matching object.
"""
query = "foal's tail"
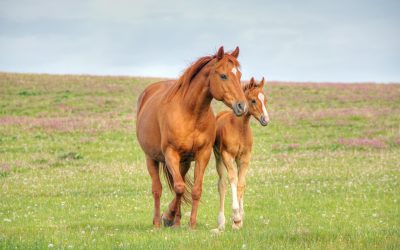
(187, 195)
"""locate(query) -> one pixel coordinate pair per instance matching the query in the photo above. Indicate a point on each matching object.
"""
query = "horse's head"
(225, 83)
(257, 101)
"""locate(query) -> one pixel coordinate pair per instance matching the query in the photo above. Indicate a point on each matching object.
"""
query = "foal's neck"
(244, 120)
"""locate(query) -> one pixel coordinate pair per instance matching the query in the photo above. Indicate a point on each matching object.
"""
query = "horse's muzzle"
(239, 108)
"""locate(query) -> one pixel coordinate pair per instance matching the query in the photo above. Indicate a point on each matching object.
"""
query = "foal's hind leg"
(156, 188)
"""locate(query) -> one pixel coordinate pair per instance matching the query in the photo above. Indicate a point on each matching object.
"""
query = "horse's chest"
(196, 140)
(188, 135)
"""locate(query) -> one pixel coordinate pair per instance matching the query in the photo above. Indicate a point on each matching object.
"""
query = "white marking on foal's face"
(261, 97)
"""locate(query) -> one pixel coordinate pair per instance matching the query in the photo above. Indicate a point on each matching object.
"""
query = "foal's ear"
(261, 84)
(220, 53)
(235, 53)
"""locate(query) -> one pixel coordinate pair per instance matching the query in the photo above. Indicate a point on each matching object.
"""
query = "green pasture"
(325, 174)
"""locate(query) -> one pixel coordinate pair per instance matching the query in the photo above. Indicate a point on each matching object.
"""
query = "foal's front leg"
(233, 180)
(202, 158)
(243, 166)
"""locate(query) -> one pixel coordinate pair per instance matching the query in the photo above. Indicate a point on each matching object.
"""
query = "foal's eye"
(223, 76)
(253, 101)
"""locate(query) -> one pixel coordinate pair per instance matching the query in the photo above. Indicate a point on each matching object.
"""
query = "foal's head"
(225, 81)
(257, 101)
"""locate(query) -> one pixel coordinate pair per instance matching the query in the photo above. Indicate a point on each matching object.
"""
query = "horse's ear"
(251, 81)
(235, 53)
(261, 84)
(220, 53)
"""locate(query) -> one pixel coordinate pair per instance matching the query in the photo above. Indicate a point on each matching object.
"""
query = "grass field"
(324, 174)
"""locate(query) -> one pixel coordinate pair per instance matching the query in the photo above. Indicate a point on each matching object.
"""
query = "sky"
(309, 40)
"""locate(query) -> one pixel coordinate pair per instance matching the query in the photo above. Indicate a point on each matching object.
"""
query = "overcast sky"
(347, 41)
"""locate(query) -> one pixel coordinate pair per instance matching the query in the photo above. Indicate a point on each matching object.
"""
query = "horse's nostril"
(241, 106)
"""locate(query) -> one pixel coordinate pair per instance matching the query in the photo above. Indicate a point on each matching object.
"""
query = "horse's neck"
(198, 98)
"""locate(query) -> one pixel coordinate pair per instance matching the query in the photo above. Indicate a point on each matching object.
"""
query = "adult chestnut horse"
(176, 125)
(234, 141)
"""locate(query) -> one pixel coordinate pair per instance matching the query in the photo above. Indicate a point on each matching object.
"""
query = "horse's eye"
(253, 101)
(223, 76)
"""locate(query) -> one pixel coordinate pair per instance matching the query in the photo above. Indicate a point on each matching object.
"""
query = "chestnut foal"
(234, 140)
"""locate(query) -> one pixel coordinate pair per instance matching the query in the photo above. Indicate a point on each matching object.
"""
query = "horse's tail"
(187, 195)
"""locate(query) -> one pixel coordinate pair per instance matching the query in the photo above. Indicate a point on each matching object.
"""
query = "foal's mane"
(191, 72)
(249, 86)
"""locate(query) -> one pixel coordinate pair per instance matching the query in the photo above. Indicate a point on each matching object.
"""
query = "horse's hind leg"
(156, 188)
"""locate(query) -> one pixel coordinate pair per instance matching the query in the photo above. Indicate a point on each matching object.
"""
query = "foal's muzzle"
(263, 120)
(239, 108)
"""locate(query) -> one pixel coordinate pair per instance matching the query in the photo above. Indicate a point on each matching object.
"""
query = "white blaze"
(261, 97)
(234, 70)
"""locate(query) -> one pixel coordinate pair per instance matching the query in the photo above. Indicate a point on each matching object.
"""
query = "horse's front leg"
(184, 168)
(202, 158)
(172, 159)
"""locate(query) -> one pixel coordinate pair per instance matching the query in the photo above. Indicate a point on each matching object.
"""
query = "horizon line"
(173, 78)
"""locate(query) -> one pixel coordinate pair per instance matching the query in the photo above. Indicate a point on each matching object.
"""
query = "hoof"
(236, 216)
(166, 222)
(192, 226)
(236, 226)
(176, 225)
(157, 223)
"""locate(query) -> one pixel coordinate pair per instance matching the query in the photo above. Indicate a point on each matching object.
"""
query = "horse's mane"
(190, 73)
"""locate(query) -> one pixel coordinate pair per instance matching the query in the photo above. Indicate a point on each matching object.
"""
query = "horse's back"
(157, 88)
